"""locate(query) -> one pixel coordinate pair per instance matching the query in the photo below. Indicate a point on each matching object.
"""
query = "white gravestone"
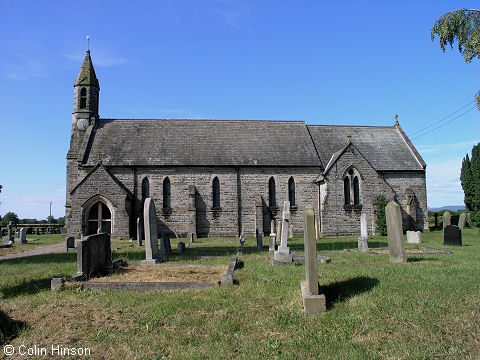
(151, 232)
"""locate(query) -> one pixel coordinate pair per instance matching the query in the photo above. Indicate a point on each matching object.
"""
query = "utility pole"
(50, 217)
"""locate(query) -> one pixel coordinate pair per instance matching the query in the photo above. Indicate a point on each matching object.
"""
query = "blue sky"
(324, 62)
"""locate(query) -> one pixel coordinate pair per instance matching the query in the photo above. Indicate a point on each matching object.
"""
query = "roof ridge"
(210, 120)
(360, 126)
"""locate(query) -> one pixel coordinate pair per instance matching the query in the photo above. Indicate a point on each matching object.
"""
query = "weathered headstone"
(23, 235)
(396, 245)
(181, 246)
(414, 237)
(272, 226)
(139, 231)
(279, 229)
(69, 243)
(192, 215)
(259, 237)
(447, 219)
(290, 232)
(151, 232)
(363, 239)
(10, 231)
(313, 299)
(462, 220)
(259, 221)
(271, 246)
(452, 236)
(94, 255)
(283, 252)
(165, 246)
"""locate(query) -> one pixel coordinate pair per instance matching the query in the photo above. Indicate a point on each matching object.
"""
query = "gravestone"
(139, 231)
(396, 245)
(272, 226)
(363, 239)
(69, 243)
(271, 246)
(414, 237)
(462, 220)
(313, 299)
(181, 246)
(151, 232)
(94, 255)
(290, 232)
(283, 254)
(22, 235)
(192, 215)
(165, 246)
(447, 219)
(259, 221)
(452, 236)
(279, 230)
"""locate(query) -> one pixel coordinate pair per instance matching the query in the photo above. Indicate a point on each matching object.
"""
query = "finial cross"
(396, 117)
(88, 42)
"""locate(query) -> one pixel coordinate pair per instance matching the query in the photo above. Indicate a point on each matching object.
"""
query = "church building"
(227, 177)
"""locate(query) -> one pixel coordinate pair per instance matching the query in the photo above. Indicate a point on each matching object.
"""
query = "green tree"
(10, 216)
(462, 26)
(470, 178)
(381, 217)
(61, 220)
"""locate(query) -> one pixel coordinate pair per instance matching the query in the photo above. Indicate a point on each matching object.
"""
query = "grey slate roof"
(201, 142)
(386, 148)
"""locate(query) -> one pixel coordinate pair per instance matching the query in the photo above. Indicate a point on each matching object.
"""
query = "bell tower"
(84, 120)
(86, 93)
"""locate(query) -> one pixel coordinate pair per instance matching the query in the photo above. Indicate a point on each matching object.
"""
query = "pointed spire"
(87, 76)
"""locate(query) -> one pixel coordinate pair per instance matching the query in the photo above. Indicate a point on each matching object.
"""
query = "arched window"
(145, 189)
(99, 217)
(83, 98)
(346, 190)
(356, 191)
(166, 193)
(291, 192)
(272, 203)
(216, 193)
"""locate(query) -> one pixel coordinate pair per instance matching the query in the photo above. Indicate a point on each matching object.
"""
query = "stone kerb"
(94, 255)
(313, 299)
(396, 245)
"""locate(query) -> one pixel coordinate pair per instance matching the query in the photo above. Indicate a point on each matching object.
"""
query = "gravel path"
(50, 249)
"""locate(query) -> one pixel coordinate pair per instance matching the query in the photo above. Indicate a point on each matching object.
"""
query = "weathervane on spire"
(88, 42)
(396, 119)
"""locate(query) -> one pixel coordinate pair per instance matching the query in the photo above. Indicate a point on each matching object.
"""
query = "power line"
(445, 117)
(449, 121)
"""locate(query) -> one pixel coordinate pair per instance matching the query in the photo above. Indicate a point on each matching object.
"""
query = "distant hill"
(449, 207)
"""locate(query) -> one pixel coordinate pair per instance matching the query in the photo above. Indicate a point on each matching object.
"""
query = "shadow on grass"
(343, 290)
(413, 259)
(45, 258)
(9, 328)
(26, 287)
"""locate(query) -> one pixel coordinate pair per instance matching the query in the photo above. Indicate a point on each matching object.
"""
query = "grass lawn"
(43, 240)
(428, 308)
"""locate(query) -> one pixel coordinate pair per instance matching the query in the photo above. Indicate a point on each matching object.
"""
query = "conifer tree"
(463, 26)
(470, 178)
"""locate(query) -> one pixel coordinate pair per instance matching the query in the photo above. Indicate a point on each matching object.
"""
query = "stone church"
(222, 178)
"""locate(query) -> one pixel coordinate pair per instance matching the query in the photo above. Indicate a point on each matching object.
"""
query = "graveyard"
(425, 307)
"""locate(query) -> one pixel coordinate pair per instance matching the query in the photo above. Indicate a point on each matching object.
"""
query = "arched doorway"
(99, 216)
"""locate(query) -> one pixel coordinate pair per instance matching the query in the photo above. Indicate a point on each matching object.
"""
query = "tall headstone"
(151, 232)
(363, 239)
(271, 245)
(279, 229)
(23, 235)
(452, 236)
(139, 231)
(283, 252)
(10, 231)
(396, 245)
(272, 226)
(411, 209)
(462, 220)
(290, 232)
(259, 221)
(192, 215)
(447, 219)
(313, 300)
